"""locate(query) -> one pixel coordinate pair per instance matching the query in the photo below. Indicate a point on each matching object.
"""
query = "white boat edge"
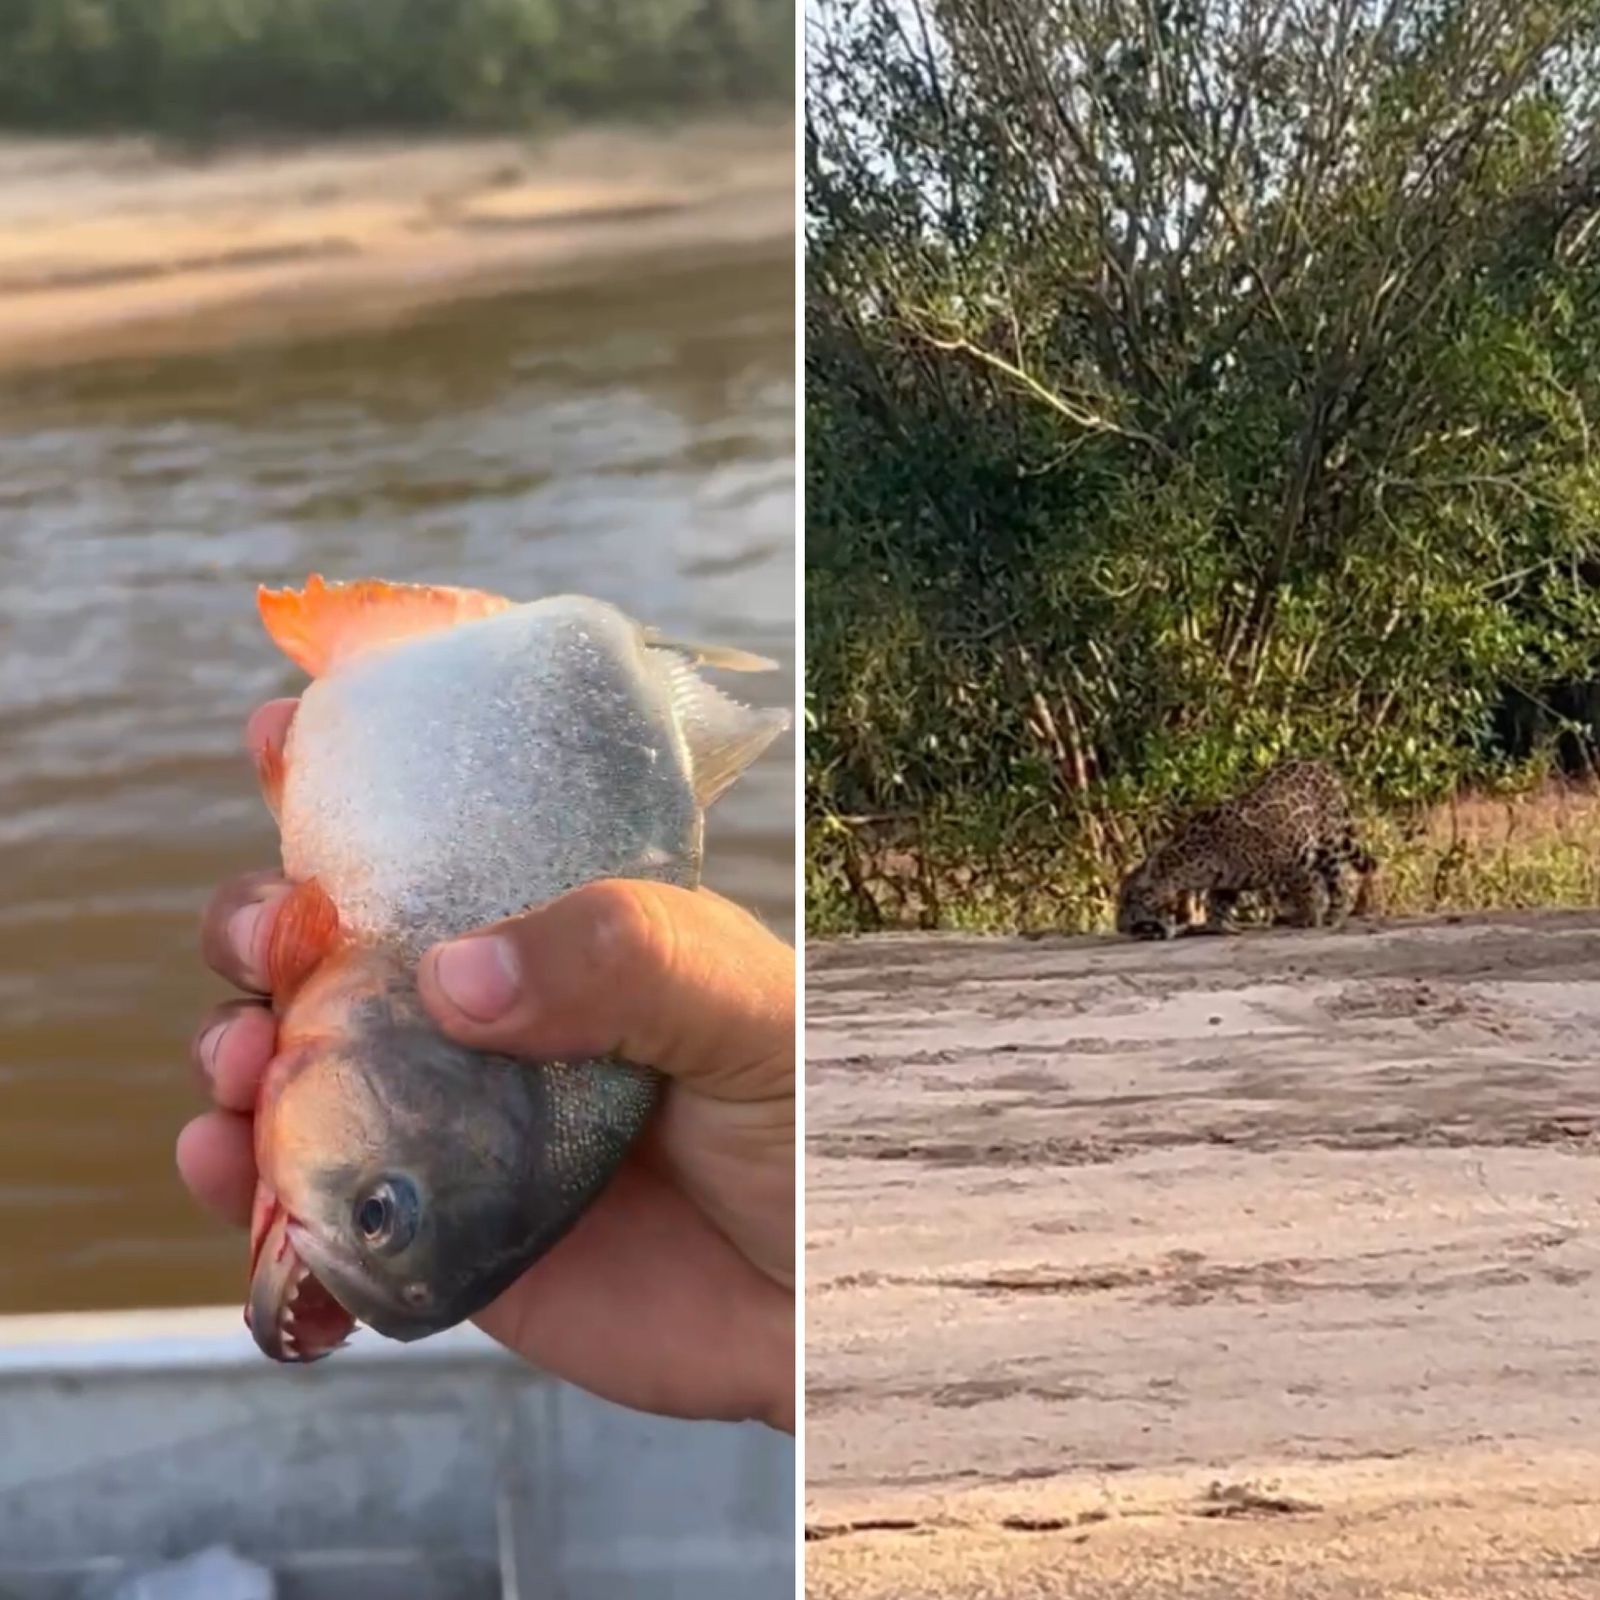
(120, 1449)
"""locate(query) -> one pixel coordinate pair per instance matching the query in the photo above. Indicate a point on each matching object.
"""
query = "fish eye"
(386, 1215)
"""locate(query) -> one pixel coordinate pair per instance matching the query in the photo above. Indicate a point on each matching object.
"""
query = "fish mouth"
(349, 1285)
(291, 1314)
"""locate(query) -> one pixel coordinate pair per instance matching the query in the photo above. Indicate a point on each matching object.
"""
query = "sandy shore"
(1261, 1266)
(121, 248)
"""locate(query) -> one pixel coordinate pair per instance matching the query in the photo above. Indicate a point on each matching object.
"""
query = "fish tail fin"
(325, 623)
(723, 735)
(723, 657)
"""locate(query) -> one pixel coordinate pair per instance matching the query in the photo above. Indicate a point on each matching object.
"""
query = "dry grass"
(1487, 853)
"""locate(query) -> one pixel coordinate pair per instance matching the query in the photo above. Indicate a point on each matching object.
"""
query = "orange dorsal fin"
(325, 623)
(305, 927)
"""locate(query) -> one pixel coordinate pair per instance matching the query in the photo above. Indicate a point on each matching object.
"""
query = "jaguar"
(1290, 838)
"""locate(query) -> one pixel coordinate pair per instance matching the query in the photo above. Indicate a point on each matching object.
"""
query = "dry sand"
(1232, 1267)
(126, 248)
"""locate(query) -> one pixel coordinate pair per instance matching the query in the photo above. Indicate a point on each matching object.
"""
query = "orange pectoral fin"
(324, 623)
(304, 930)
(269, 773)
(267, 738)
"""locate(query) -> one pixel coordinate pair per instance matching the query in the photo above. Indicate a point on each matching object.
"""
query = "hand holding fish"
(447, 1086)
(673, 1292)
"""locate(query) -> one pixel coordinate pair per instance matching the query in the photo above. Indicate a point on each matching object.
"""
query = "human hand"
(674, 1292)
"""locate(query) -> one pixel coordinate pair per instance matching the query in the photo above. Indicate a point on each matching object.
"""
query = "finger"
(216, 1160)
(682, 981)
(231, 1050)
(717, 1339)
(235, 928)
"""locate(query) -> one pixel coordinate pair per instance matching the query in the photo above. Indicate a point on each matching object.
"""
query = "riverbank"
(1473, 853)
(1225, 1268)
(129, 248)
(1474, 1525)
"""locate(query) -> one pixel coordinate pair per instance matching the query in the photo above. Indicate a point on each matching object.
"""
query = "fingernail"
(477, 976)
(243, 928)
(210, 1043)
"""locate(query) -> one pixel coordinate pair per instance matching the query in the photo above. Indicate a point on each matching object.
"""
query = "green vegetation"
(1474, 852)
(1190, 385)
(197, 65)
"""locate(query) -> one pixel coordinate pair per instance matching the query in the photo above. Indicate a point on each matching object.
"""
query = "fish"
(457, 758)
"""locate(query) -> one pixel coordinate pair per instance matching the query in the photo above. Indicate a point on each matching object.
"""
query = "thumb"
(682, 981)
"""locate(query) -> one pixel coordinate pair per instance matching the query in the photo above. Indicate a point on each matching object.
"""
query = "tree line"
(194, 66)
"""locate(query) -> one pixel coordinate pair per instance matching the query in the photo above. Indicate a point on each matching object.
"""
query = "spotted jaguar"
(1291, 838)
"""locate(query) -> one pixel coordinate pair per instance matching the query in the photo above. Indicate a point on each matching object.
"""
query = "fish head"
(405, 1181)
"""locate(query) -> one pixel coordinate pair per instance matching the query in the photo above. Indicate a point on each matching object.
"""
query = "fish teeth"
(286, 1328)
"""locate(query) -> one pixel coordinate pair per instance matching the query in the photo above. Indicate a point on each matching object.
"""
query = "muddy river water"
(633, 439)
